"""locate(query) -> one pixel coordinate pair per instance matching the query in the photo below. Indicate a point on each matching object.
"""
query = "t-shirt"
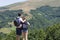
(20, 24)
(20, 19)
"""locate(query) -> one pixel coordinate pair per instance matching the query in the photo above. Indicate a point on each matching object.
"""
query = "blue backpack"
(17, 22)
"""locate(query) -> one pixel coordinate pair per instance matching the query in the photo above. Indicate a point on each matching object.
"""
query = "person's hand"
(28, 23)
(20, 26)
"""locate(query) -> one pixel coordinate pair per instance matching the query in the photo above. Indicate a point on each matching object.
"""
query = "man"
(19, 28)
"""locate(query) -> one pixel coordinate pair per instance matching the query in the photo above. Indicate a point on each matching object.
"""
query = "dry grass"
(5, 30)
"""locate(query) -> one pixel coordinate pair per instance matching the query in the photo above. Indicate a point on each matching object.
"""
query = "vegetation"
(45, 16)
(41, 17)
(51, 33)
(6, 17)
(45, 23)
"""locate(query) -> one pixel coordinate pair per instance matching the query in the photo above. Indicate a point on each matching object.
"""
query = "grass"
(7, 30)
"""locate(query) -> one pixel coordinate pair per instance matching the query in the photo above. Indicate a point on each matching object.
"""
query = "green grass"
(13, 28)
(7, 30)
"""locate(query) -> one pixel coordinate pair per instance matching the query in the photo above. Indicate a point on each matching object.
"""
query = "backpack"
(17, 22)
(25, 25)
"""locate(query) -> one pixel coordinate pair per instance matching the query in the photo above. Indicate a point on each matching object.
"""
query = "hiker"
(18, 23)
(25, 29)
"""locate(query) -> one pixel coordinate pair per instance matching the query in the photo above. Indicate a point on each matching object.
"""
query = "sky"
(7, 2)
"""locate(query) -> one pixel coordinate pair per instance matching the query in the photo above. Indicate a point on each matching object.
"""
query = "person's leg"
(17, 37)
(18, 33)
(23, 35)
(26, 35)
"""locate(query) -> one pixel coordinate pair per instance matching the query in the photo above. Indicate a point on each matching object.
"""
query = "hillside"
(41, 17)
(32, 4)
(41, 13)
(45, 16)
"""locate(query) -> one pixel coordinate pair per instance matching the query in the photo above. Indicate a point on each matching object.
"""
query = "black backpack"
(17, 22)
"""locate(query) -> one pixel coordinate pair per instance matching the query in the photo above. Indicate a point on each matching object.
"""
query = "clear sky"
(7, 2)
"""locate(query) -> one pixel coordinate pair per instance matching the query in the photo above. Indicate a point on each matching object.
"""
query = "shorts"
(24, 30)
(18, 31)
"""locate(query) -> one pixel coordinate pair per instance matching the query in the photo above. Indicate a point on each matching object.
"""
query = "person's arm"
(28, 23)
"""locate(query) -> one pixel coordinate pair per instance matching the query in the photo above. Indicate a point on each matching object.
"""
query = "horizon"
(8, 2)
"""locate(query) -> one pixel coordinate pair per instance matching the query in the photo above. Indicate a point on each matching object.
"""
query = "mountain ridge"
(32, 4)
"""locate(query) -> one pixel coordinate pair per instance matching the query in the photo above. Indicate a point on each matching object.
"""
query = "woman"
(25, 29)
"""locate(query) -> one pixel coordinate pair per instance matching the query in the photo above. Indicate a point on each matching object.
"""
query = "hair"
(23, 18)
(19, 14)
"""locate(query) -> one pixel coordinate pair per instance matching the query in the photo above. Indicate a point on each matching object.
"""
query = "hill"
(45, 16)
(31, 4)
(45, 19)
(41, 13)
(41, 17)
